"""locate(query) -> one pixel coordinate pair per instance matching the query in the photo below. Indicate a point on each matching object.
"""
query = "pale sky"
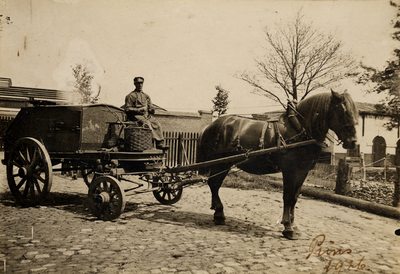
(183, 49)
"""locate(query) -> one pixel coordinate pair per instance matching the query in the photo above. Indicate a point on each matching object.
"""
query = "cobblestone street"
(62, 236)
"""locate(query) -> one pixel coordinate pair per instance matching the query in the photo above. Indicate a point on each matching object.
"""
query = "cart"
(47, 138)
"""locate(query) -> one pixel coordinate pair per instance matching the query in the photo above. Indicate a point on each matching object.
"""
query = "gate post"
(396, 194)
(343, 184)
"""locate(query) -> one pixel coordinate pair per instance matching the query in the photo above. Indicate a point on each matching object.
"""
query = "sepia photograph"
(200, 136)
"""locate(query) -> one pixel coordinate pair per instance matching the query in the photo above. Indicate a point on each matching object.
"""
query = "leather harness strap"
(279, 138)
(264, 129)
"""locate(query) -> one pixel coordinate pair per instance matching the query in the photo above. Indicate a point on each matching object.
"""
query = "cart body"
(64, 128)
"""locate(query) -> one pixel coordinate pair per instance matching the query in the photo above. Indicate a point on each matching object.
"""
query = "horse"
(231, 135)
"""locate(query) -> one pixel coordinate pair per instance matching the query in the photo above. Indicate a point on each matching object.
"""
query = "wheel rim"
(168, 195)
(106, 199)
(29, 172)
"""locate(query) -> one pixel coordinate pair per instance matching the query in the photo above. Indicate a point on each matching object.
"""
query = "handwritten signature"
(317, 249)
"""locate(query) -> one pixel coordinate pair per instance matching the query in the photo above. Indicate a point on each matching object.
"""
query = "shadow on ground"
(157, 213)
(72, 202)
(77, 203)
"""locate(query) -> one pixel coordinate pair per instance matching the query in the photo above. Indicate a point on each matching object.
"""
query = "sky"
(182, 48)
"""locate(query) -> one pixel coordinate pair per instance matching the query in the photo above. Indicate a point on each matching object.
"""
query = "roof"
(369, 109)
(27, 93)
(273, 115)
(363, 108)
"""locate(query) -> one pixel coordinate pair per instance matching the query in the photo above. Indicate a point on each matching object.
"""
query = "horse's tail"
(200, 155)
(203, 148)
(211, 141)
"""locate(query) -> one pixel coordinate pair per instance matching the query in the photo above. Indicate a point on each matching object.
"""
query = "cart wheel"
(106, 199)
(168, 195)
(29, 172)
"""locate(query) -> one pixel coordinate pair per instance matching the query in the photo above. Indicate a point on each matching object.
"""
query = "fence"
(182, 144)
(182, 148)
(324, 175)
(5, 121)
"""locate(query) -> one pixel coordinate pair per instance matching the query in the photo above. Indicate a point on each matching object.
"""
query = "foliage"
(388, 81)
(298, 60)
(220, 101)
(83, 85)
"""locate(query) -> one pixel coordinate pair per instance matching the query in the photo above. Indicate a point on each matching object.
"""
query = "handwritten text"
(317, 249)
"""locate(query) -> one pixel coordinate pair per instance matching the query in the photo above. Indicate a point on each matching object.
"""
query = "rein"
(347, 134)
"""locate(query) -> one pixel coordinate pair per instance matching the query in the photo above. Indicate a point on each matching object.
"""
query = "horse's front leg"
(287, 220)
(292, 182)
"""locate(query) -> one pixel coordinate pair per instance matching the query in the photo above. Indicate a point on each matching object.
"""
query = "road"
(63, 237)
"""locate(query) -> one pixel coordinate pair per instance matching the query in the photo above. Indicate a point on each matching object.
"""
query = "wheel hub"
(25, 171)
(103, 198)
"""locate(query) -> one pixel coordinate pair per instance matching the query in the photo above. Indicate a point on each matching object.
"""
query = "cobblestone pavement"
(63, 237)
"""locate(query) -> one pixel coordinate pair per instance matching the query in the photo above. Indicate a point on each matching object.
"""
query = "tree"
(220, 101)
(299, 59)
(387, 80)
(83, 85)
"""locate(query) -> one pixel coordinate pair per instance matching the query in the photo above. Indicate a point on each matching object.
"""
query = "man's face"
(139, 86)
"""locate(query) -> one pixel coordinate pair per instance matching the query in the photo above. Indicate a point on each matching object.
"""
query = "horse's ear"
(337, 98)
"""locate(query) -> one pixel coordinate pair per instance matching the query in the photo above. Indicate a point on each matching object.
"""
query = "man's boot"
(161, 145)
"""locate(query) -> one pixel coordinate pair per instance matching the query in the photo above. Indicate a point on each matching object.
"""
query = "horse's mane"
(315, 110)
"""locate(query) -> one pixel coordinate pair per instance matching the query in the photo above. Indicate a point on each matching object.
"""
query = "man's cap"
(138, 80)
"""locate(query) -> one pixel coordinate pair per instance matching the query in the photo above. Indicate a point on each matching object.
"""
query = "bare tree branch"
(299, 59)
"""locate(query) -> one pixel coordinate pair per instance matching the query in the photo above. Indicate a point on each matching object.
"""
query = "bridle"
(346, 126)
(330, 136)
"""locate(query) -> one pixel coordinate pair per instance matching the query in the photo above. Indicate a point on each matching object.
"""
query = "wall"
(374, 127)
(183, 121)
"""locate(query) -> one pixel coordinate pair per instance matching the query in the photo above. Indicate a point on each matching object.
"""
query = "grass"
(243, 180)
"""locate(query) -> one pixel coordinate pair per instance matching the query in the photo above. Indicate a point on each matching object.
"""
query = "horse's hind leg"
(215, 180)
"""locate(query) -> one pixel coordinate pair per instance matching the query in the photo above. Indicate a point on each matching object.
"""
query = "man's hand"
(141, 110)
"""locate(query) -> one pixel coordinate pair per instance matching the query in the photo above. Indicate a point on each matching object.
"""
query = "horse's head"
(343, 119)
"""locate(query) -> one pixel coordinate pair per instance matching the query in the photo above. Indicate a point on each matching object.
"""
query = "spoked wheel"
(106, 199)
(168, 194)
(29, 172)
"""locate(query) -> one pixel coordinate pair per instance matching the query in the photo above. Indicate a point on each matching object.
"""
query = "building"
(375, 141)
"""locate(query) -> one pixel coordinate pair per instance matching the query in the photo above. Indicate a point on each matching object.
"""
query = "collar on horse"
(301, 135)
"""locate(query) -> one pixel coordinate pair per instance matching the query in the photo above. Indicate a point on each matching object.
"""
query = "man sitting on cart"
(138, 108)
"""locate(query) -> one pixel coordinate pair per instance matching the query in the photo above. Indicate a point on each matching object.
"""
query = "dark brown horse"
(230, 135)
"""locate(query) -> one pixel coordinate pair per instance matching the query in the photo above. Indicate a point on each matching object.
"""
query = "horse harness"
(302, 135)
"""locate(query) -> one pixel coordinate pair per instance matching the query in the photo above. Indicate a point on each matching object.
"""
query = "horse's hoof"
(290, 234)
(219, 221)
